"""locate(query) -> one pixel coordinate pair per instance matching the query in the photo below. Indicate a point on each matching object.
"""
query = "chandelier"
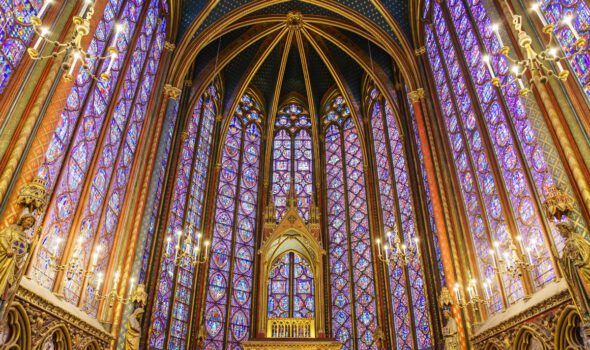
(186, 252)
(473, 297)
(510, 262)
(75, 265)
(72, 50)
(394, 252)
(503, 263)
(112, 295)
(539, 64)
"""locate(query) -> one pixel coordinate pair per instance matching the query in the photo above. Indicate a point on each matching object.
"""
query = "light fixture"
(112, 295)
(394, 252)
(72, 50)
(75, 265)
(186, 252)
(509, 262)
(473, 297)
(539, 64)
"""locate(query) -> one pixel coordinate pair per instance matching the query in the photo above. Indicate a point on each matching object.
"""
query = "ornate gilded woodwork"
(551, 324)
(38, 320)
(289, 344)
(290, 235)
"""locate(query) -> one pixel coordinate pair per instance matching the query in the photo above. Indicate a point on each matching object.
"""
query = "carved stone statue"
(14, 247)
(133, 333)
(575, 260)
(450, 331)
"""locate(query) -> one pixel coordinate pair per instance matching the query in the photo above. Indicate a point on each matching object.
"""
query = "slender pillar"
(416, 97)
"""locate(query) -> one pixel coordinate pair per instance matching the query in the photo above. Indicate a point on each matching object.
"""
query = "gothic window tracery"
(405, 282)
(229, 288)
(172, 311)
(349, 244)
(292, 159)
(91, 154)
(497, 160)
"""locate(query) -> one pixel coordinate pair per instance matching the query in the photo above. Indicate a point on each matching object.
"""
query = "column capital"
(168, 46)
(171, 92)
(416, 95)
(420, 51)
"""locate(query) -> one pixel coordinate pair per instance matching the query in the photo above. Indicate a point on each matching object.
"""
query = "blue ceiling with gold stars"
(398, 10)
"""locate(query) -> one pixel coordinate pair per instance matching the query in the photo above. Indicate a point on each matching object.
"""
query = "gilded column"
(416, 97)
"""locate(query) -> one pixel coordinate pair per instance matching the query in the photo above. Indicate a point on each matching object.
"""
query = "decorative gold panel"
(290, 328)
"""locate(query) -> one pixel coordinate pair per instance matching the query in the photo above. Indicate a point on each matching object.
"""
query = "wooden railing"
(290, 328)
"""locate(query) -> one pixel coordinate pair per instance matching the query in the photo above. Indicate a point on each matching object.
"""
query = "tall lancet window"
(229, 290)
(410, 308)
(499, 165)
(16, 33)
(172, 309)
(354, 319)
(292, 159)
(92, 152)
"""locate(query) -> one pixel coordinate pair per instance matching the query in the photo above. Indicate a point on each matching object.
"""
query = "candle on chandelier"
(56, 245)
(458, 292)
(76, 56)
(416, 245)
(496, 29)
(529, 256)
(519, 240)
(386, 249)
(206, 249)
(487, 60)
(568, 21)
(99, 279)
(118, 30)
(84, 7)
(196, 252)
(487, 287)
(116, 280)
(131, 285)
(44, 8)
(493, 259)
(537, 8)
(168, 244)
(473, 293)
(553, 52)
(43, 34)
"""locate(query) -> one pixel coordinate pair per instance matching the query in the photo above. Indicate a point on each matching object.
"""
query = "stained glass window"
(406, 282)
(175, 285)
(292, 159)
(554, 12)
(291, 288)
(229, 291)
(15, 35)
(101, 141)
(491, 142)
(349, 248)
(69, 183)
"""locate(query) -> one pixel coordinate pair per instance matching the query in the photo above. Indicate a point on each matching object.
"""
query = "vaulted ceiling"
(289, 46)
